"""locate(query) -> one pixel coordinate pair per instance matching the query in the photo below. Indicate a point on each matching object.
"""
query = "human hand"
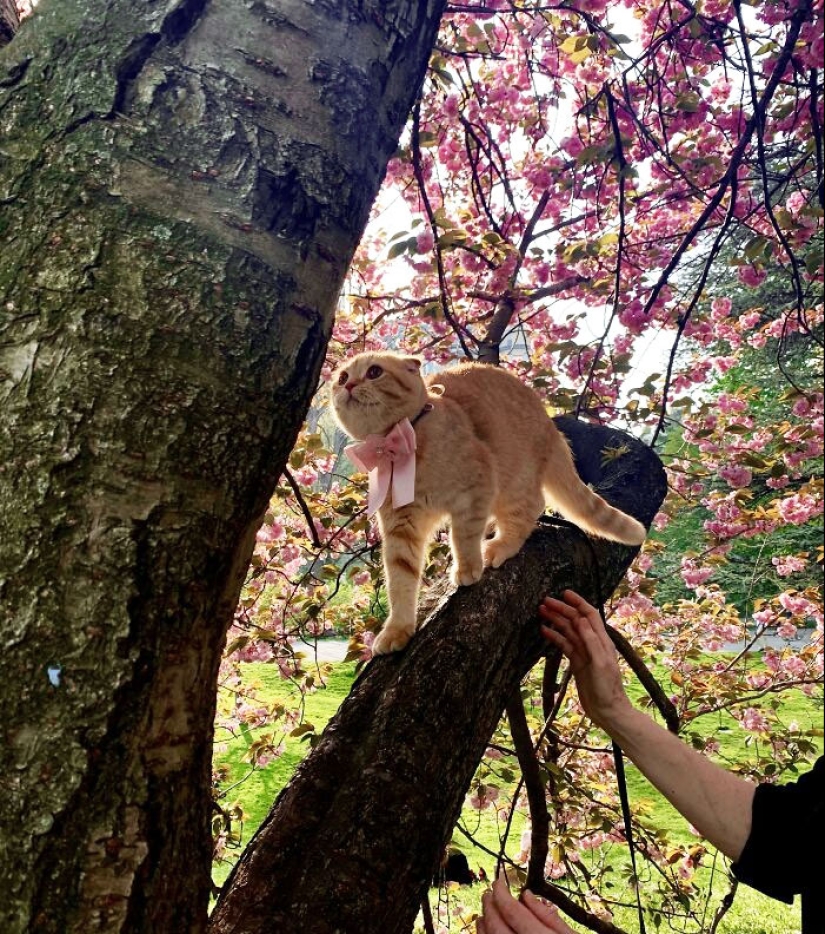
(577, 629)
(503, 914)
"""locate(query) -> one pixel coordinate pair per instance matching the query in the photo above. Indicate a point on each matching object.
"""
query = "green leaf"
(303, 728)
(579, 47)
(688, 102)
(452, 238)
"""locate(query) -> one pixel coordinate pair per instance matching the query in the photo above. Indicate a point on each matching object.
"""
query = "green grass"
(256, 790)
(795, 705)
(751, 913)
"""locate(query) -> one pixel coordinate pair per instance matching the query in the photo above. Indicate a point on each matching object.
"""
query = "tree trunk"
(183, 186)
(352, 842)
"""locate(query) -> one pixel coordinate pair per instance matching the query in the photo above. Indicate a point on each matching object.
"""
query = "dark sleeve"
(779, 857)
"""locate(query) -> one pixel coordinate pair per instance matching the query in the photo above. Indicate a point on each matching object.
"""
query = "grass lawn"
(256, 790)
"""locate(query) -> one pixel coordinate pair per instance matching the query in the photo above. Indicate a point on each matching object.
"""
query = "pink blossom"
(764, 617)
(799, 508)
(306, 475)
(754, 720)
(798, 605)
(786, 630)
(749, 320)
(720, 308)
(694, 575)
(424, 241)
(751, 276)
(484, 797)
(736, 477)
(795, 667)
(731, 404)
(795, 202)
(270, 531)
(788, 564)
(661, 521)
(723, 364)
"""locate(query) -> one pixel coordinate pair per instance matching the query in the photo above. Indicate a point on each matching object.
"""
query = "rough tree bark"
(352, 842)
(183, 185)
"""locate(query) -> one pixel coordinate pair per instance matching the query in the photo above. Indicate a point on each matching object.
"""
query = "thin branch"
(762, 162)
(621, 170)
(425, 199)
(813, 86)
(536, 795)
(550, 686)
(650, 684)
(304, 508)
(490, 345)
(427, 912)
(697, 294)
(724, 907)
(800, 16)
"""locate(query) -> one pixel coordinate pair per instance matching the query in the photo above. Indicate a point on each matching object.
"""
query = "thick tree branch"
(352, 841)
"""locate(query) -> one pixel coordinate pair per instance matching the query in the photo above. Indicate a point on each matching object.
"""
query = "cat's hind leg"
(405, 533)
(515, 520)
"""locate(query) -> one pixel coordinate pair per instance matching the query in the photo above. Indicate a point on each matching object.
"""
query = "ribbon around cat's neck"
(390, 462)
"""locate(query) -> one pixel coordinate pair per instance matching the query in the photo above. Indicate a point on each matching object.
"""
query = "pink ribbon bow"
(389, 461)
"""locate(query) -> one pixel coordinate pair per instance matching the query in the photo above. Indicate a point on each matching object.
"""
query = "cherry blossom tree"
(182, 185)
(622, 203)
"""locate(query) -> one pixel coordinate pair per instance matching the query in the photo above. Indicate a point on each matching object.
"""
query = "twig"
(304, 508)
(428, 208)
(427, 912)
(650, 684)
(800, 16)
(536, 797)
(724, 907)
(550, 682)
(621, 174)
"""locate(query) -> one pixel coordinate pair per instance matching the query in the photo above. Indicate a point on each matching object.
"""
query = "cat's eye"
(374, 371)
(343, 378)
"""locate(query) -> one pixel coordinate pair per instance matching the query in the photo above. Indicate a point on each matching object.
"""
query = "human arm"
(716, 802)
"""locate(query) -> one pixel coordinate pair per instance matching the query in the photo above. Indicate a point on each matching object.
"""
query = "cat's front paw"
(499, 550)
(463, 575)
(392, 638)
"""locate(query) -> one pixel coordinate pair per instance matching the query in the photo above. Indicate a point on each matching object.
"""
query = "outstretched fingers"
(575, 627)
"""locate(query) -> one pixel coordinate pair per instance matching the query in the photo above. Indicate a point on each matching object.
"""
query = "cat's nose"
(351, 385)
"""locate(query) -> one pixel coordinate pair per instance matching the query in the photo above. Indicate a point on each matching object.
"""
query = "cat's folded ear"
(413, 363)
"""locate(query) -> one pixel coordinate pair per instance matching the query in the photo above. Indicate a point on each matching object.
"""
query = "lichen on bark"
(163, 316)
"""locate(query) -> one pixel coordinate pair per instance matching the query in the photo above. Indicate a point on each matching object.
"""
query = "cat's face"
(373, 391)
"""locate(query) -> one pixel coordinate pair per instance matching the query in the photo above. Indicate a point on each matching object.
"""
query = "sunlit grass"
(256, 791)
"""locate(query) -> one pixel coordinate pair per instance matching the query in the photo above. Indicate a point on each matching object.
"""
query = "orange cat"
(484, 450)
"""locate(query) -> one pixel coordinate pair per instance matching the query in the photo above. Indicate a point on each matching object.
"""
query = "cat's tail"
(573, 499)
